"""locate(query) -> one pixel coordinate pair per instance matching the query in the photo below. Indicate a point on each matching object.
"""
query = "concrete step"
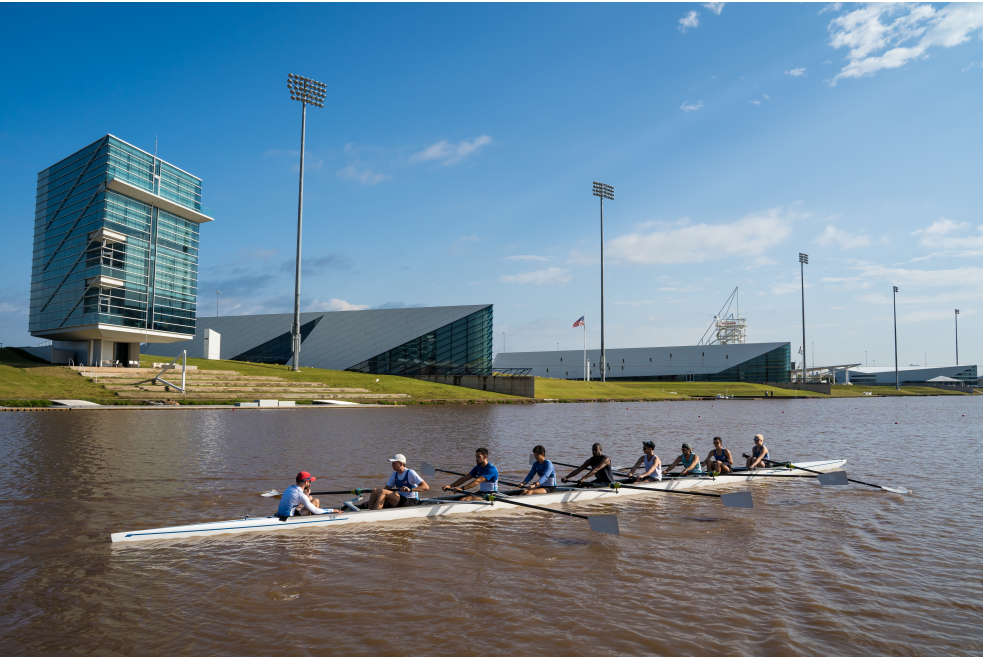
(241, 389)
(87, 369)
(205, 381)
(144, 395)
(171, 374)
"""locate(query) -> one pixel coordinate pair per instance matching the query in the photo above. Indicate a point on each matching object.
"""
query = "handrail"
(184, 369)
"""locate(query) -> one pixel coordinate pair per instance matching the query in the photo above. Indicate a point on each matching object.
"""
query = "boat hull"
(322, 521)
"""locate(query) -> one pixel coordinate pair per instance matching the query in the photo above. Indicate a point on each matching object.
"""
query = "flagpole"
(585, 345)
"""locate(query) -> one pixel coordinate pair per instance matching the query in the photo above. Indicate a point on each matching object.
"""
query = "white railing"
(184, 371)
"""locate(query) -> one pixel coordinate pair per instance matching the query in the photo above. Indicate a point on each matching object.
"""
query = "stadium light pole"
(957, 336)
(604, 191)
(217, 293)
(897, 383)
(308, 92)
(803, 261)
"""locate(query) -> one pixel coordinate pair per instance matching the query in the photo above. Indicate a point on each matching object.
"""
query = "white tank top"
(657, 473)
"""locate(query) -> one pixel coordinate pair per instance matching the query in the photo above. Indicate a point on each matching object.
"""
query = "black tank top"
(605, 474)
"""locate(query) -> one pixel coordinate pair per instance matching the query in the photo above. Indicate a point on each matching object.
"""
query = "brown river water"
(810, 570)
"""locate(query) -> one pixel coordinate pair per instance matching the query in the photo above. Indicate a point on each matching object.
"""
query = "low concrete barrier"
(826, 389)
(520, 386)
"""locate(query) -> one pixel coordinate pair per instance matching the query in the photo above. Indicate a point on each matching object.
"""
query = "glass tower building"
(115, 260)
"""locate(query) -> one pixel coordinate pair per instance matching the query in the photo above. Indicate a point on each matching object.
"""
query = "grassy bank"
(561, 389)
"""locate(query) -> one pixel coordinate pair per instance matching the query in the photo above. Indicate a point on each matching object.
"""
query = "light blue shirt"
(545, 471)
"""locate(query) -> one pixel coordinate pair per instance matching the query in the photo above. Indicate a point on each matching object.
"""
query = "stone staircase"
(138, 383)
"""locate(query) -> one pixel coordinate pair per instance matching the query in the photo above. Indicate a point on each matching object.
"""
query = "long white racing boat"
(442, 507)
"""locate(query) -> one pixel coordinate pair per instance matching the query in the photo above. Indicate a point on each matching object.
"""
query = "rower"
(484, 474)
(297, 499)
(544, 471)
(719, 460)
(688, 460)
(759, 453)
(650, 464)
(401, 488)
(599, 465)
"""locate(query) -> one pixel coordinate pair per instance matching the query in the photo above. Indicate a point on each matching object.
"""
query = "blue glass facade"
(277, 350)
(463, 347)
(103, 258)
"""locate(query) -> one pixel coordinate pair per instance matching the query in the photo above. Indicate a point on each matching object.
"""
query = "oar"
(430, 469)
(607, 523)
(838, 478)
(354, 492)
(737, 499)
(602, 523)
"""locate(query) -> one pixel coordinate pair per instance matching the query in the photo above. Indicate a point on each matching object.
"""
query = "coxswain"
(719, 460)
(401, 489)
(599, 465)
(688, 460)
(650, 464)
(484, 475)
(297, 499)
(759, 453)
(542, 473)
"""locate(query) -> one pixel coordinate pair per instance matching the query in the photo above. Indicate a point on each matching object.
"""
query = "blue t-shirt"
(490, 473)
(545, 472)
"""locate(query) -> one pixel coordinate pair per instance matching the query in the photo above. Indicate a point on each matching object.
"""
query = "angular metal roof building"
(441, 340)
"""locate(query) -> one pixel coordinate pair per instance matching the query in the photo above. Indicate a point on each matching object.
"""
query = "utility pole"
(957, 336)
(604, 191)
(897, 383)
(803, 261)
(217, 293)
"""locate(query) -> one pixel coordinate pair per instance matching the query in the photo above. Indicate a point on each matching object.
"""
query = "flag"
(580, 322)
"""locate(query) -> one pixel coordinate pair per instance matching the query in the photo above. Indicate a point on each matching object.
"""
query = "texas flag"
(580, 322)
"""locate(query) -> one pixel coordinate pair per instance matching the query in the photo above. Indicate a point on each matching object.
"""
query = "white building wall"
(885, 375)
(637, 361)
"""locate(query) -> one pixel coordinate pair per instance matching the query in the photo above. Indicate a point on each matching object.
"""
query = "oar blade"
(427, 469)
(834, 479)
(738, 499)
(270, 493)
(897, 490)
(606, 523)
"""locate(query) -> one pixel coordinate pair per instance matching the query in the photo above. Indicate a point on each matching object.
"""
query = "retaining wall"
(521, 386)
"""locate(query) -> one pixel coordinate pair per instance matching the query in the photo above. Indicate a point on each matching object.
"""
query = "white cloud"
(449, 152)
(755, 102)
(833, 6)
(336, 305)
(796, 72)
(689, 107)
(691, 19)
(526, 258)
(702, 242)
(899, 33)
(760, 261)
(580, 258)
(871, 274)
(715, 7)
(636, 304)
(947, 234)
(833, 235)
(364, 176)
(786, 288)
(553, 276)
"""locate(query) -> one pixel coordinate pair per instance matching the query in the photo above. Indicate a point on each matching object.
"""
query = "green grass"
(561, 389)
(843, 391)
(23, 378)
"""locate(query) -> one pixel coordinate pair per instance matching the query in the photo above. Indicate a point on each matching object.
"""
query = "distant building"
(115, 254)
(747, 362)
(884, 376)
(442, 340)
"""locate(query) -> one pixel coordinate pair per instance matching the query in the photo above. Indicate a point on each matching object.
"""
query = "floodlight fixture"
(308, 92)
(804, 258)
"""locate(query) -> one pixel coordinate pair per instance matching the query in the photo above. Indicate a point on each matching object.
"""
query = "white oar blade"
(607, 523)
(270, 493)
(532, 459)
(834, 479)
(897, 490)
(427, 469)
(738, 499)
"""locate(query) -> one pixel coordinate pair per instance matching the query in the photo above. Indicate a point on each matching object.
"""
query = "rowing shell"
(271, 523)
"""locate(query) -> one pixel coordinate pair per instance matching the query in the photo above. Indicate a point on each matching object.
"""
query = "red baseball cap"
(304, 475)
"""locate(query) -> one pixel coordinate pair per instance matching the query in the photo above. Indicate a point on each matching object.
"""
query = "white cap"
(398, 458)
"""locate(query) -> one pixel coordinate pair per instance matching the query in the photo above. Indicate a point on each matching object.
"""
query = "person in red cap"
(297, 499)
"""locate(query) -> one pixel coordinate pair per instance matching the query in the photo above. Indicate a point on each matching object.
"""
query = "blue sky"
(453, 160)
